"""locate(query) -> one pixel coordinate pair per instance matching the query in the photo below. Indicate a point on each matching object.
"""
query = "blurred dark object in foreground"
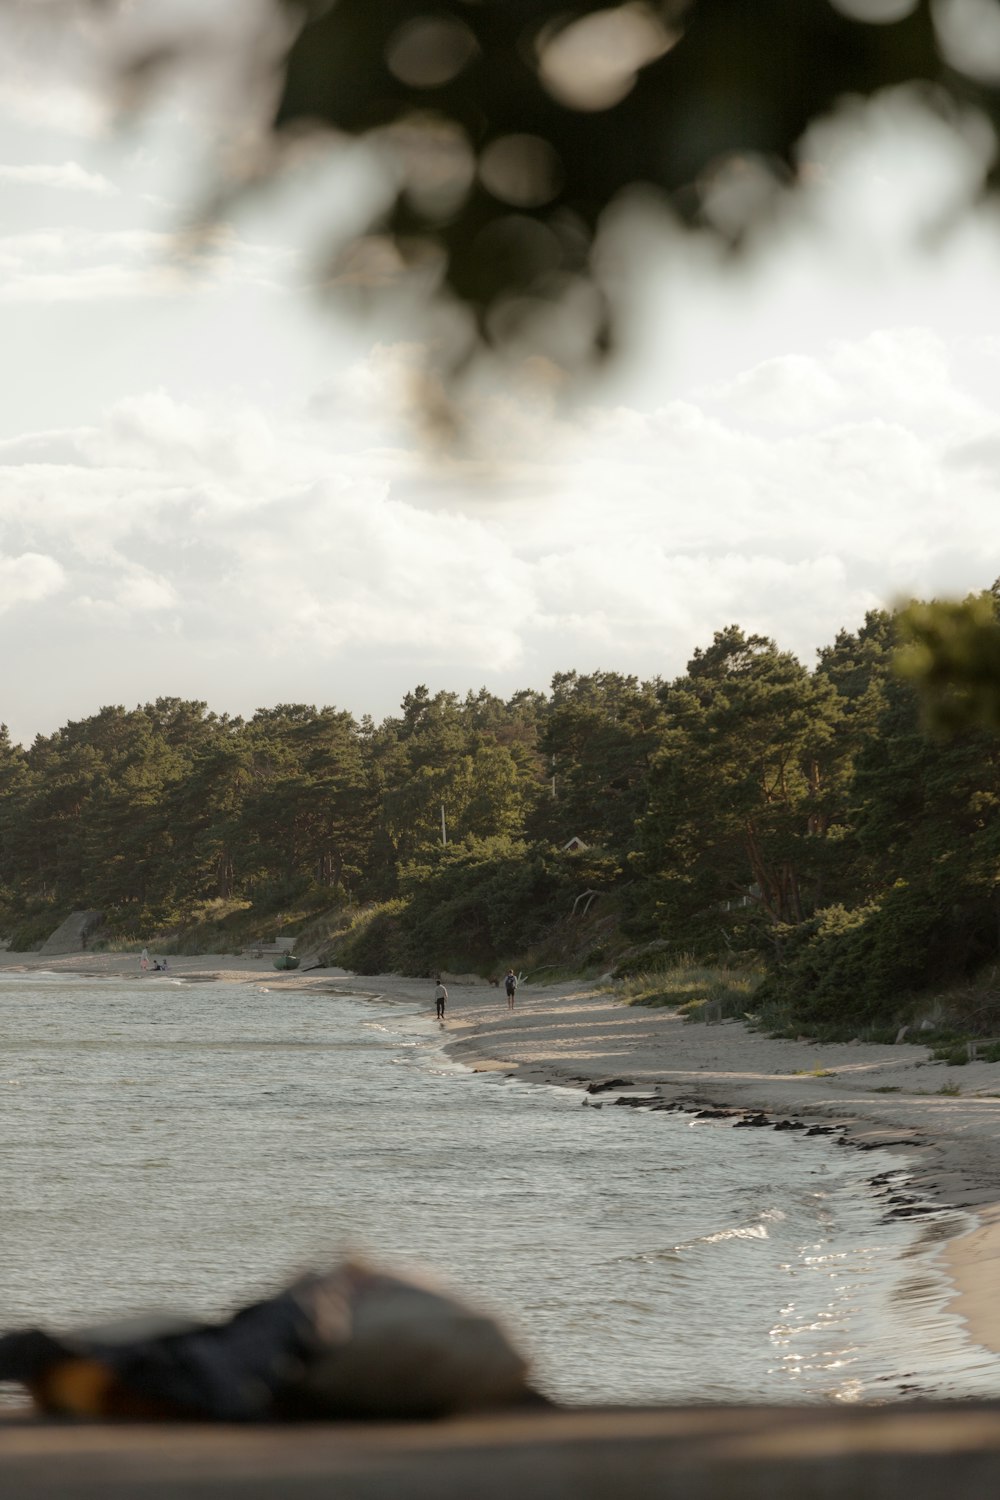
(353, 1343)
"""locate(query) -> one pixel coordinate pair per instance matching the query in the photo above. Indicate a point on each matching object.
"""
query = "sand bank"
(890, 1097)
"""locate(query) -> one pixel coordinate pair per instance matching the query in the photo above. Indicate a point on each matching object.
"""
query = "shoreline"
(572, 1035)
(873, 1097)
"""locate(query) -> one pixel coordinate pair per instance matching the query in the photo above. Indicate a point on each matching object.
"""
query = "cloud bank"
(250, 556)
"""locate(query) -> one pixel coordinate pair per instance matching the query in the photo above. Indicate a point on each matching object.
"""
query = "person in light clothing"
(440, 1000)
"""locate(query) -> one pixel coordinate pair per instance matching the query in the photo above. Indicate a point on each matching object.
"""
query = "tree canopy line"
(750, 806)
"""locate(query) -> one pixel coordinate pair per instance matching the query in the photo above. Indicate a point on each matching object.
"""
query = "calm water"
(177, 1145)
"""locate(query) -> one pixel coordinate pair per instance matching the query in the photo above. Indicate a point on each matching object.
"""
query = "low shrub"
(29, 933)
(371, 945)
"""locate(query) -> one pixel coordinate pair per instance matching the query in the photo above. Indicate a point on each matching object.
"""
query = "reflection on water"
(192, 1147)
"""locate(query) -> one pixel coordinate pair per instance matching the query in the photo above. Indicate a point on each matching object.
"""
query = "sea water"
(190, 1146)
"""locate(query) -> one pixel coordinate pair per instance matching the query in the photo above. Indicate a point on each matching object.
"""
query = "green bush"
(29, 933)
(955, 1057)
(371, 944)
(855, 968)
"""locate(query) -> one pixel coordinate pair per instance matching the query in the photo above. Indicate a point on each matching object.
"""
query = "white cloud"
(92, 284)
(72, 245)
(144, 593)
(898, 374)
(74, 264)
(68, 176)
(27, 579)
(248, 555)
(58, 106)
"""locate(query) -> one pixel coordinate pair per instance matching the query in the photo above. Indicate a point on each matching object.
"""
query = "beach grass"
(700, 992)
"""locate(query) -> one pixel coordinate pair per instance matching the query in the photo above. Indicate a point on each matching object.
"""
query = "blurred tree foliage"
(514, 125)
(507, 129)
(952, 652)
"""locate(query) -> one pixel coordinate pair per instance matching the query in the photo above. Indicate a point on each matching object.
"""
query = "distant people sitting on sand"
(159, 967)
(440, 1000)
(510, 986)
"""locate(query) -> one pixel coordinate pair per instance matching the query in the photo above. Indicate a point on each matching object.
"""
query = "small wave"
(721, 1236)
(822, 1323)
(745, 1232)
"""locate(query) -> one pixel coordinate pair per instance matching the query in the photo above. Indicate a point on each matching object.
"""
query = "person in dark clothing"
(510, 987)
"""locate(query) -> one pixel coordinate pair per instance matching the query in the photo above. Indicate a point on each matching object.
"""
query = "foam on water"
(193, 1146)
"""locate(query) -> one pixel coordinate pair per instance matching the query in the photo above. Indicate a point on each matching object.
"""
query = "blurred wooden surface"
(914, 1452)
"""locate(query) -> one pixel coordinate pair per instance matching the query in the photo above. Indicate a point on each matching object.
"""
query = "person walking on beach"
(510, 986)
(440, 1000)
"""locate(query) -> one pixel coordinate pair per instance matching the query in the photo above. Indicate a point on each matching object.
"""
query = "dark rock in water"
(748, 1121)
(789, 1125)
(354, 1343)
(610, 1083)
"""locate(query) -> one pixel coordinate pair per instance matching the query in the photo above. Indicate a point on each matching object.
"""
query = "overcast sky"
(209, 486)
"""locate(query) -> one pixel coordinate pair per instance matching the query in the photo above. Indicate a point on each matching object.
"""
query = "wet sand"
(892, 1097)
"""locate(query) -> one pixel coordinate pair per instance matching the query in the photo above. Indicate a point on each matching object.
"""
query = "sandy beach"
(893, 1097)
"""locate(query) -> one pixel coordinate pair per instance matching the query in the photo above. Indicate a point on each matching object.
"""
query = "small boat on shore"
(286, 961)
